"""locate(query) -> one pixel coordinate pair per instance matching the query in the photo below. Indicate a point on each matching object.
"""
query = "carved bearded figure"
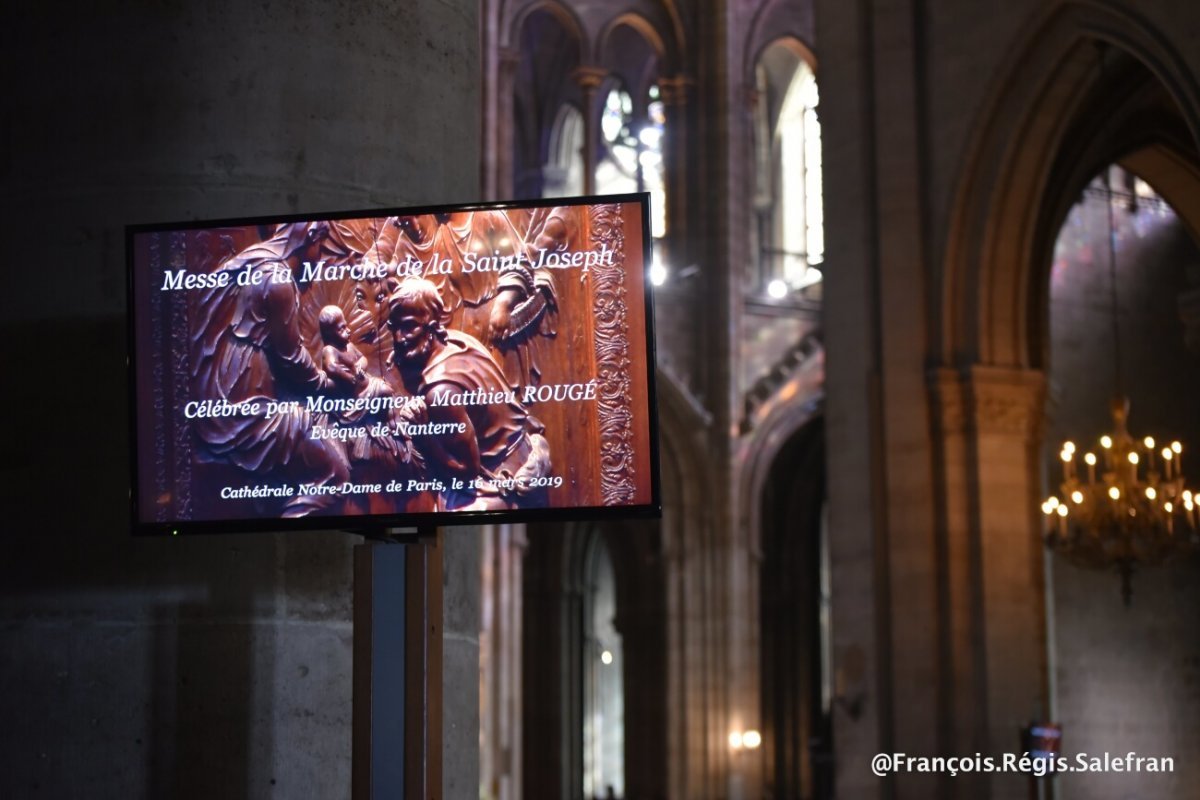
(470, 427)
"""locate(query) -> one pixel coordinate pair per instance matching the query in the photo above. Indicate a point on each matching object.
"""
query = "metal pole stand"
(397, 747)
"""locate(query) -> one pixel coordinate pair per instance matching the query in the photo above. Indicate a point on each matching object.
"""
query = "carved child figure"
(345, 365)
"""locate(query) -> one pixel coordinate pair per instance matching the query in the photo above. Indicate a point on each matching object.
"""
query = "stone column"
(589, 80)
(1006, 411)
(499, 183)
(993, 643)
(460, 661)
(501, 660)
(674, 92)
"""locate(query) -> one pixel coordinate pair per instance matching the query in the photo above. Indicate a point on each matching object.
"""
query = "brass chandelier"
(1124, 503)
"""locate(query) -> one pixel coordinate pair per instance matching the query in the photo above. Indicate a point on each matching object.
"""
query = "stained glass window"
(632, 160)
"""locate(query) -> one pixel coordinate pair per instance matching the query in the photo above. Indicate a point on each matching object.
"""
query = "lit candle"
(1090, 458)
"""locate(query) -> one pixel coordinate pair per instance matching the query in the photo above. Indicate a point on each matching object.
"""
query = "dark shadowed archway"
(795, 702)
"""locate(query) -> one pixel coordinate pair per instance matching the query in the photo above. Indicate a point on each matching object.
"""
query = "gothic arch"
(678, 39)
(664, 36)
(645, 565)
(761, 448)
(787, 32)
(792, 646)
(547, 40)
(1037, 144)
(637, 75)
(639, 24)
(520, 12)
(1174, 175)
(789, 40)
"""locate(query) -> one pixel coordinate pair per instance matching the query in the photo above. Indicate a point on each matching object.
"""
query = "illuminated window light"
(658, 273)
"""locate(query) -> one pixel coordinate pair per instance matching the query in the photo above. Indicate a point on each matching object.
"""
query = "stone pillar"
(460, 661)
(501, 660)
(589, 80)
(500, 185)
(964, 715)
(993, 645)
(678, 328)
(674, 92)
(1006, 411)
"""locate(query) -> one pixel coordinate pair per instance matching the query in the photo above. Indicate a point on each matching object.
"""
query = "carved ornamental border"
(181, 390)
(614, 387)
(170, 377)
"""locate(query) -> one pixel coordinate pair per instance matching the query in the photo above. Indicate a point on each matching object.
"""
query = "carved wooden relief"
(612, 362)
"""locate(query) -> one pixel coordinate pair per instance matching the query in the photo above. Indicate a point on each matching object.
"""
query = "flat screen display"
(380, 369)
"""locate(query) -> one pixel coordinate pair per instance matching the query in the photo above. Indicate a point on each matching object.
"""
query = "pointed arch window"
(654, 178)
(617, 170)
(632, 158)
(789, 192)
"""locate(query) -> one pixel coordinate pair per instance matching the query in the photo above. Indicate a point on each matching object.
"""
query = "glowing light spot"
(658, 273)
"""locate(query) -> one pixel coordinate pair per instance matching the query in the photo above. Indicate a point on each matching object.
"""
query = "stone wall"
(214, 666)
